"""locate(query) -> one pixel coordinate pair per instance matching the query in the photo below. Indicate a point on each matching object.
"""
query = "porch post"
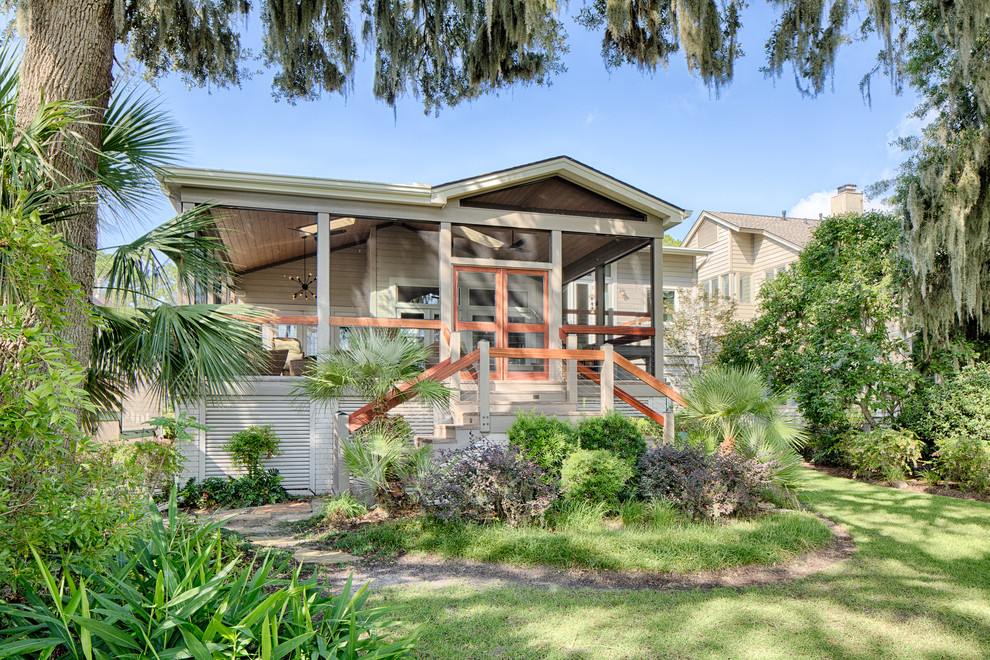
(341, 477)
(599, 295)
(656, 317)
(608, 379)
(446, 289)
(322, 282)
(556, 300)
(484, 388)
(572, 375)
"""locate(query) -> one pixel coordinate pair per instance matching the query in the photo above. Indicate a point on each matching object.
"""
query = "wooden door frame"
(501, 326)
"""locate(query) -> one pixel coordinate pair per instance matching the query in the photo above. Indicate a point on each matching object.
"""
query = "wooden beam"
(546, 354)
(608, 330)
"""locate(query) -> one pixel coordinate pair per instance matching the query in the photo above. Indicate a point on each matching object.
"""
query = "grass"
(661, 543)
(918, 587)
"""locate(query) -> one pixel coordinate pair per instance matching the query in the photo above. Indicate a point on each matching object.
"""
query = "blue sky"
(757, 148)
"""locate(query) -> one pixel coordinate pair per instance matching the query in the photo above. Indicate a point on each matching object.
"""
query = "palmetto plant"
(371, 367)
(740, 412)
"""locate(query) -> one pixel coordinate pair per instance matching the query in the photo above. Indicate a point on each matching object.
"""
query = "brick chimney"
(847, 200)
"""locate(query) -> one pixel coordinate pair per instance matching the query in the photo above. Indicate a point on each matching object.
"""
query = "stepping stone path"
(261, 525)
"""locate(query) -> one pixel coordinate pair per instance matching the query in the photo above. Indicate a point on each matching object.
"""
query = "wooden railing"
(578, 358)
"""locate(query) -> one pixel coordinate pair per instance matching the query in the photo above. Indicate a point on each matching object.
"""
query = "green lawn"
(918, 587)
(670, 546)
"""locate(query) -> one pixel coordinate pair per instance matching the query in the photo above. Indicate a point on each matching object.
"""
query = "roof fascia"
(220, 180)
(688, 252)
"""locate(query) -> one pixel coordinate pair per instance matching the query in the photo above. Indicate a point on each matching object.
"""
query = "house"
(747, 250)
(535, 287)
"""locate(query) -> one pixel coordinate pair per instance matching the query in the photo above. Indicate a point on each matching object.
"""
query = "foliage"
(597, 475)
(264, 488)
(707, 486)
(693, 335)
(614, 432)
(651, 514)
(830, 326)
(176, 426)
(487, 482)
(151, 463)
(176, 595)
(890, 452)
(248, 447)
(382, 462)
(958, 406)
(942, 188)
(374, 363)
(58, 493)
(964, 459)
(648, 427)
(343, 506)
(546, 440)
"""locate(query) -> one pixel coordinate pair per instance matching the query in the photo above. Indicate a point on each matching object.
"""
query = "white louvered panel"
(287, 417)
(418, 414)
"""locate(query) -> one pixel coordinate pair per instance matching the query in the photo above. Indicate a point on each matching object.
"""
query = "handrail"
(639, 331)
(438, 372)
(622, 394)
(448, 368)
(660, 386)
(356, 322)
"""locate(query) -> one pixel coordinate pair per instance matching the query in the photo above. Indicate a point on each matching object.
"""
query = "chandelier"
(306, 282)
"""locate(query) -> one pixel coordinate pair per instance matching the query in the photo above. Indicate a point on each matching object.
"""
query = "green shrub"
(966, 460)
(889, 452)
(614, 432)
(248, 447)
(546, 440)
(648, 427)
(265, 488)
(342, 507)
(152, 464)
(597, 475)
(958, 407)
(572, 515)
(176, 595)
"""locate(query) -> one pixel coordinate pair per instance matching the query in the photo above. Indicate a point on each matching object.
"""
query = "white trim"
(500, 263)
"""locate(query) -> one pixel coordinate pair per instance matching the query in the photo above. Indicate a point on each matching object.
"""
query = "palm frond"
(180, 352)
(136, 267)
(140, 140)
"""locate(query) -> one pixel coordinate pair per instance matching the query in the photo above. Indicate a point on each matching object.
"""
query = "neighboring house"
(747, 250)
(518, 265)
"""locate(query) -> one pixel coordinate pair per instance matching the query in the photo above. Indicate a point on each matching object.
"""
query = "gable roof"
(573, 171)
(792, 232)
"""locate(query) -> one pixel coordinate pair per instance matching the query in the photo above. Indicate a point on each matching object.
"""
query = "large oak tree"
(446, 51)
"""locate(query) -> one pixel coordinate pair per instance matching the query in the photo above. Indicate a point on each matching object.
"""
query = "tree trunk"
(68, 55)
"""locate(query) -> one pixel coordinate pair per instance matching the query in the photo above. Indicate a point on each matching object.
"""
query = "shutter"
(289, 419)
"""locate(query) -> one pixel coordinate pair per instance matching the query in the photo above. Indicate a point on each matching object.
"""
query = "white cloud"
(592, 117)
(813, 204)
(908, 126)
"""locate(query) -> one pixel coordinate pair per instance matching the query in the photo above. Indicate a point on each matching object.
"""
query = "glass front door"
(508, 308)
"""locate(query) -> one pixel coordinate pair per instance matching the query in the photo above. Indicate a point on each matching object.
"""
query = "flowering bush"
(709, 486)
(487, 482)
(597, 476)
(891, 453)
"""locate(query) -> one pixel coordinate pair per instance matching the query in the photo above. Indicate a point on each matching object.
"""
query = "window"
(745, 288)
(768, 275)
(669, 305)
(726, 288)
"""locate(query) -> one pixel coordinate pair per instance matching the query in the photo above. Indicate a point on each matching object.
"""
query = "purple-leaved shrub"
(488, 482)
(709, 486)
